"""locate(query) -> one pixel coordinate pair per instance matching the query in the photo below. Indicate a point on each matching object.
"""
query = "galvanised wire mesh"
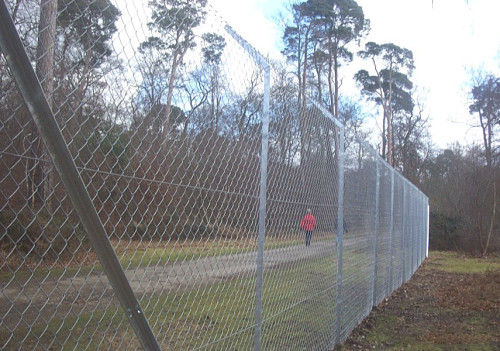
(383, 242)
(360, 227)
(167, 141)
(398, 222)
(200, 173)
(300, 281)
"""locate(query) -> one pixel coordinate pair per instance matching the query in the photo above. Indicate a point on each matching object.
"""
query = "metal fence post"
(263, 182)
(391, 234)
(340, 234)
(41, 112)
(262, 213)
(425, 239)
(427, 228)
(375, 231)
(416, 232)
(420, 219)
(413, 232)
(403, 234)
(409, 242)
(340, 218)
(423, 222)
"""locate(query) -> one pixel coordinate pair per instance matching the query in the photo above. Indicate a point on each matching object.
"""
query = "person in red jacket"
(308, 224)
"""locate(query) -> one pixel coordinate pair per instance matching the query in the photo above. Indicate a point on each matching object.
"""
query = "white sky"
(447, 37)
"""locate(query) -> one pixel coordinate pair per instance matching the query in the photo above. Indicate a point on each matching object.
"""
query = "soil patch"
(438, 309)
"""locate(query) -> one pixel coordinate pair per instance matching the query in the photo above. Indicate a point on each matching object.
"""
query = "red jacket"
(308, 222)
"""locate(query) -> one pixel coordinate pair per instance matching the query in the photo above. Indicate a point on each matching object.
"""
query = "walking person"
(308, 224)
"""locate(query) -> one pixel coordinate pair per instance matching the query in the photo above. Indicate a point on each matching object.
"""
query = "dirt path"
(442, 307)
(29, 302)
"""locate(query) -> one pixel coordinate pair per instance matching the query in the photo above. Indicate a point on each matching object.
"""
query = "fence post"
(375, 231)
(420, 227)
(262, 212)
(403, 232)
(417, 230)
(263, 64)
(41, 112)
(391, 234)
(410, 234)
(425, 239)
(423, 206)
(340, 233)
(340, 218)
(427, 228)
(413, 232)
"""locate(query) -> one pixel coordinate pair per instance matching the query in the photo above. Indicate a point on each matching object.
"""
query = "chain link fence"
(153, 183)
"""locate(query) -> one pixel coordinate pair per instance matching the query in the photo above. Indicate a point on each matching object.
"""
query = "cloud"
(447, 37)
(251, 22)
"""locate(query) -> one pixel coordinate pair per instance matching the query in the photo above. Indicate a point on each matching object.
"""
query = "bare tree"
(39, 173)
(411, 140)
(485, 94)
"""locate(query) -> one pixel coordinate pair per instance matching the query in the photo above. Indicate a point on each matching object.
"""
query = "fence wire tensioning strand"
(155, 188)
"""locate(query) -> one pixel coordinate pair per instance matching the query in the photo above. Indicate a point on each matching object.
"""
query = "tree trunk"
(390, 137)
(302, 113)
(330, 71)
(336, 91)
(492, 218)
(390, 143)
(384, 136)
(45, 72)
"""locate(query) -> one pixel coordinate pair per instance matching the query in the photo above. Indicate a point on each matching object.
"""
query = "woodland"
(172, 106)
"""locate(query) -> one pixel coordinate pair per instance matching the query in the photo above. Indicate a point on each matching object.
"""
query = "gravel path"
(26, 303)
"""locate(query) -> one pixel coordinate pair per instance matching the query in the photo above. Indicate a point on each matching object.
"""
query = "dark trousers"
(309, 235)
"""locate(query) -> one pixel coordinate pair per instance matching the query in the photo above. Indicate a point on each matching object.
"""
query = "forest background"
(320, 41)
(446, 140)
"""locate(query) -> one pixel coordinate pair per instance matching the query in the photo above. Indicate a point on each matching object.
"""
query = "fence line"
(263, 182)
(190, 173)
(32, 92)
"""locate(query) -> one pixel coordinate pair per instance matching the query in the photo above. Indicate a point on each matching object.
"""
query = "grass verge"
(138, 254)
(451, 303)
(221, 315)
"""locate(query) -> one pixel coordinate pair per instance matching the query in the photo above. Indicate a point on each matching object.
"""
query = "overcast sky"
(448, 39)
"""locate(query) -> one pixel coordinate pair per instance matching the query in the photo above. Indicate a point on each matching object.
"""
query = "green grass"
(23, 275)
(418, 321)
(134, 257)
(163, 255)
(454, 263)
(297, 303)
